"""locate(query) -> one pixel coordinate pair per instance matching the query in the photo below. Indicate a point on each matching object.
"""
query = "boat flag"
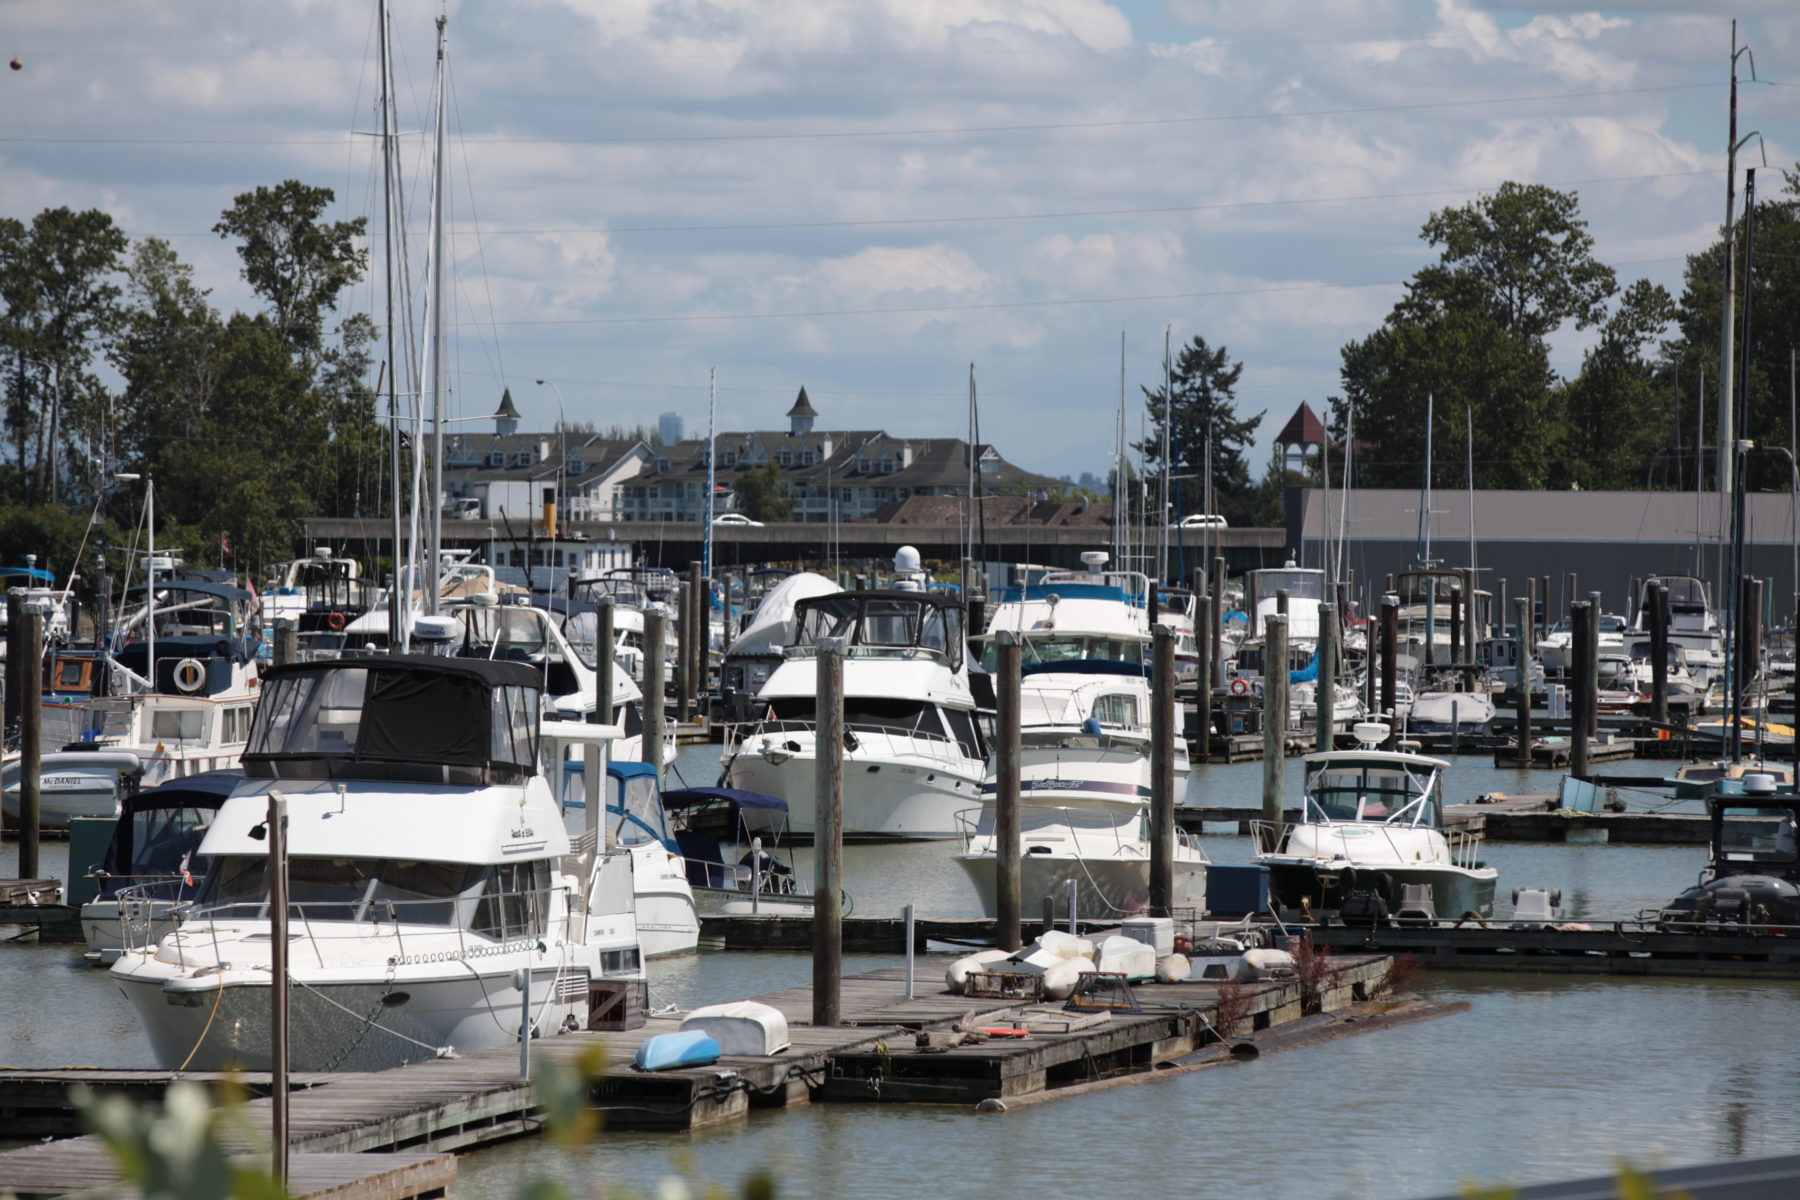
(187, 877)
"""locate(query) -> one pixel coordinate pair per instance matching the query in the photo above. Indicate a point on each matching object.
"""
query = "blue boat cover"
(690, 797)
(668, 1051)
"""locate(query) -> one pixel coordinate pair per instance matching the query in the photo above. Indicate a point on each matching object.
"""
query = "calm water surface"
(1546, 1078)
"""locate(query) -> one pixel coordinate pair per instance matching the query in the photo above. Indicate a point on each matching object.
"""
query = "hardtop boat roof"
(851, 614)
(1389, 758)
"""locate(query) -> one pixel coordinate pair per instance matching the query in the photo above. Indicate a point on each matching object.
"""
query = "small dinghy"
(670, 1051)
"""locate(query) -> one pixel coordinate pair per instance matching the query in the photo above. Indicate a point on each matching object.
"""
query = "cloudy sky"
(865, 196)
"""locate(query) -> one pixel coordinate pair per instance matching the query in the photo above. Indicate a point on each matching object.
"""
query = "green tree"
(1618, 408)
(1202, 415)
(761, 495)
(1470, 334)
(293, 260)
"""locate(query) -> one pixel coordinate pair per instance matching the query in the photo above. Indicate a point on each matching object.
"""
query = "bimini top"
(891, 622)
(203, 587)
(412, 717)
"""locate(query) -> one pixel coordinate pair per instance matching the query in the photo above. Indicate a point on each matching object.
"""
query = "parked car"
(734, 519)
(1201, 521)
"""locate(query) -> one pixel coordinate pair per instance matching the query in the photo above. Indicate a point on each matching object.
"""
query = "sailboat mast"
(434, 547)
(1162, 558)
(1119, 546)
(398, 633)
(969, 507)
(1727, 316)
(712, 454)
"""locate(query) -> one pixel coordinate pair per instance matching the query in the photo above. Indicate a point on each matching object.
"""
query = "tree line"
(1472, 333)
(114, 361)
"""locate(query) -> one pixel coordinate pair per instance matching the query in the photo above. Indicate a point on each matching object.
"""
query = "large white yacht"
(1692, 625)
(1372, 820)
(913, 754)
(428, 871)
(668, 921)
(1084, 748)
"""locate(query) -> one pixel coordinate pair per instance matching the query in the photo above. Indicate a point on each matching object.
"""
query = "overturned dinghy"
(671, 1051)
(741, 1027)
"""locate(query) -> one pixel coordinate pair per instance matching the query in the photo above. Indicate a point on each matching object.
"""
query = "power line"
(922, 131)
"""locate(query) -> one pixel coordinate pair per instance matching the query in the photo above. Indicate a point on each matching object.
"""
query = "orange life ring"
(335, 622)
(1240, 687)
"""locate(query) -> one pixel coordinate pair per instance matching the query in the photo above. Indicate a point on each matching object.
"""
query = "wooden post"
(15, 653)
(1007, 847)
(698, 642)
(1455, 623)
(30, 666)
(604, 633)
(1593, 664)
(828, 837)
(1274, 715)
(1203, 678)
(278, 982)
(1543, 607)
(1471, 623)
(1751, 589)
(1217, 632)
(1325, 690)
(1580, 678)
(1281, 602)
(1162, 771)
(655, 698)
(684, 632)
(1658, 619)
(287, 641)
(1529, 628)
(1523, 654)
(1390, 670)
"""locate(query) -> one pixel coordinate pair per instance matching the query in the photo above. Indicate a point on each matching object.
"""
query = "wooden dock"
(37, 904)
(394, 1126)
(1579, 948)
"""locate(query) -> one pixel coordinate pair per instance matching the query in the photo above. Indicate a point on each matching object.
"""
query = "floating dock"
(1578, 948)
(395, 1126)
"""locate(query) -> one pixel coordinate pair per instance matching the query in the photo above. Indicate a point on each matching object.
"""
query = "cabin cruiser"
(636, 821)
(1691, 624)
(153, 865)
(429, 875)
(632, 590)
(1752, 874)
(913, 754)
(1556, 650)
(1444, 702)
(755, 653)
(1305, 588)
(1084, 747)
(1695, 781)
(1374, 820)
(1428, 596)
(321, 593)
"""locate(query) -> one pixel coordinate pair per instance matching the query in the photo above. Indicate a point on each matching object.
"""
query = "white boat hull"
(887, 799)
(1104, 888)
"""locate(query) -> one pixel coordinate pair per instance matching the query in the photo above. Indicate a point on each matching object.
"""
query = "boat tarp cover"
(206, 790)
(772, 626)
(694, 797)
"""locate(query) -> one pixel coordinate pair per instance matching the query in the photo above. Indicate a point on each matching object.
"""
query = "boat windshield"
(635, 811)
(880, 623)
(1757, 833)
(1299, 584)
(1040, 648)
(1392, 793)
(499, 900)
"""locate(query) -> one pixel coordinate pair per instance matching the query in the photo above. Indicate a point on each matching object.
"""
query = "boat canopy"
(883, 620)
(160, 830)
(683, 799)
(634, 808)
(399, 716)
(1397, 789)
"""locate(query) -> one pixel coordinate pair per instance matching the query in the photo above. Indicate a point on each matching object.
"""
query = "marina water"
(1546, 1077)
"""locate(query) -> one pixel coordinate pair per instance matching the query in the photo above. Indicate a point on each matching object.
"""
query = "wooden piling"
(1007, 848)
(603, 661)
(1543, 607)
(655, 697)
(1162, 771)
(1203, 685)
(29, 665)
(1390, 680)
(1455, 622)
(1217, 632)
(1523, 654)
(15, 653)
(1593, 665)
(1325, 689)
(699, 640)
(278, 979)
(1658, 618)
(287, 642)
(828, 839)
(684, 658)
(1579, 615)
(1274, 715)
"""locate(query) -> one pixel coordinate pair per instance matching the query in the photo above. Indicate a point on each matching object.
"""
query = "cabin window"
(1766, 833)
(178, 724)
(312, 713)
(1116, 708)
(513, 905)
(636, 812)
(965, 731)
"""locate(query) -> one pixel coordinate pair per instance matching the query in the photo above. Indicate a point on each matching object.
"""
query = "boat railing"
(939, 746)
(1046, 823)
(482, 925)
(1462, 846)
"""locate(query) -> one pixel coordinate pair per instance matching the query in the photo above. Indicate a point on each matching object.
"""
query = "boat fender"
(1240, 687)
(189, 675)
(1060, 980)
(1174, 968)
(956, 976)
(1002, 1031)
(1065, 945)
(1268, 964)
(991, 1105)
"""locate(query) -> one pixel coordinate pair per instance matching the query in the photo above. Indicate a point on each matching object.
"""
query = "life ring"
(1240, 687)
(335, 622)
(189, 675)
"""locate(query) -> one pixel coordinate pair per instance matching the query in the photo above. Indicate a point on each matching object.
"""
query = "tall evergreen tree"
(1202, 413)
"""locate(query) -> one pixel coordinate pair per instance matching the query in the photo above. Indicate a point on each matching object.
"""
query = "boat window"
(415, 892)
(832, 617)
(162, 837)
(964, 730)
(514, 728)
(1364, 792)
(513, 903)
(178, 724)
(315, 713)
(1764, 833)
(636, 812)
(1299, 584)
(890, 623)
(1116, 708)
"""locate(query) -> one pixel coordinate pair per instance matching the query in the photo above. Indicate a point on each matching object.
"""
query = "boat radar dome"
(1759, 784)
(909, 573)
(1093, 560)
(434, 631)
(321, 551)
(1371, 733)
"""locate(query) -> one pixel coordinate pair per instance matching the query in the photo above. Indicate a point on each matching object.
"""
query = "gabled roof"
(1303, 428)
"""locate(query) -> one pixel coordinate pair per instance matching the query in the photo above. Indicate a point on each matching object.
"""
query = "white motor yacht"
(1373, 820)
(429, 876)
(668, 922)
(913, 755)
(1084, 748)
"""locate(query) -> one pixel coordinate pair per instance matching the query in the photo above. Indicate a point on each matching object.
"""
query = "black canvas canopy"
(413, 709)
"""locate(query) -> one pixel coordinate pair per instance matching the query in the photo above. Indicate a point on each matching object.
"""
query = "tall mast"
(712, 480)
(1120, 508)
(434, 543)
(1162, 558)
(969, 507)
(399, 634)
(1727, 435)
